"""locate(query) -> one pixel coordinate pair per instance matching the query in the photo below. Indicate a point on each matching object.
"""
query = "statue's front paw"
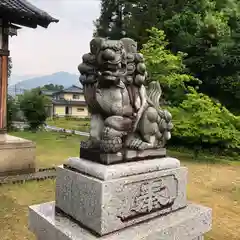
(90, 143)
(86, 144)
(111, 145)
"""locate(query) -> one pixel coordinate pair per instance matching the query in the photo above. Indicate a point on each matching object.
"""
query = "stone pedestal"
(109, 198)
(133, 200)
(3, 137)
(189, 223)
(17, 156)
(122, 156)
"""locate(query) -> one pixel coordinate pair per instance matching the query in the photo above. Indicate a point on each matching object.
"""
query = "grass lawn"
(14, 202)
(80, 125)
(51, 147)
(214, 185)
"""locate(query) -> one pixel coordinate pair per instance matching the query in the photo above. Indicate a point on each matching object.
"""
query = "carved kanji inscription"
(152, 195)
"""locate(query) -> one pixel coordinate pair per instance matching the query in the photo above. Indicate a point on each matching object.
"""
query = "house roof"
(23, 13)
(68, 103)
(48, 92)
(72, 89)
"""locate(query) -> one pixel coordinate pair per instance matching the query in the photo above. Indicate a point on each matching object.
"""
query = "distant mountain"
(60, 78)
(14, 79)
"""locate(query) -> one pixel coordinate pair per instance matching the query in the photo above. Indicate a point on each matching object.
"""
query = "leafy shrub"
(87, 119)
(69, 117)
(33, 104)
(201, 122)
(12, 110)
(55, 116)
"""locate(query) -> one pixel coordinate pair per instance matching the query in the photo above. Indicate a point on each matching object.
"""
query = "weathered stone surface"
(190, 223)
(17, 156)
(106, 206)
(104, 172)
(97, 156)
(124, 114)
(124, 155)
(3, 137)
(146, 154)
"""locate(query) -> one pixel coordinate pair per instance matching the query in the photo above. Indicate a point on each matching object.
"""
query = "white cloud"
(59, 47)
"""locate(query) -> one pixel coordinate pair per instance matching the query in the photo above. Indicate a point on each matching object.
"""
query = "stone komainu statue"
(124, 115)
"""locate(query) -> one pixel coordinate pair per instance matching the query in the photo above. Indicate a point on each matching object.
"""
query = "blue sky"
(59, 47)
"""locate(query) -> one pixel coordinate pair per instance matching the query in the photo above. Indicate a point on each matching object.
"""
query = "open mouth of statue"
(109, 73)
(110, 66)
(113, 72)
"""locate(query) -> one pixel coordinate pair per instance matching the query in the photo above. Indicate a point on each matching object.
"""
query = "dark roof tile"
(72, 89)
(22, 12)
(48, 92)
(66, 102)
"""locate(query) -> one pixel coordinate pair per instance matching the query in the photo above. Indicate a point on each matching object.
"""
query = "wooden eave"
(23, 13)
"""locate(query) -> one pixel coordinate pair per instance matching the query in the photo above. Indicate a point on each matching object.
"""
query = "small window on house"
(75, 96)
(80, 109)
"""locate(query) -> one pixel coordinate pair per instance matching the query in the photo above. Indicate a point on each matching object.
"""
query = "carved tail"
(154, 93)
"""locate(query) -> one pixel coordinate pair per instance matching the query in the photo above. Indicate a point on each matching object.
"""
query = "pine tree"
(110, 24)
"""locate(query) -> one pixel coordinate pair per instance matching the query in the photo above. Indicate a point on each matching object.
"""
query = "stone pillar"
(16, 155)
(4, 53)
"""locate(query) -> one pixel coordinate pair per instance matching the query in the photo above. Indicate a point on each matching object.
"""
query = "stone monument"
(17, 155)
(123, 185)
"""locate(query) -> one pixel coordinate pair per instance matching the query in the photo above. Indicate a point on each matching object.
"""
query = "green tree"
(207, 30)
(206, 36)
(53, 87)
(12, 110)
(167, 68)
(110, 22)
(200, 122)
(126, 18)
(33, 104)
(11, 105)
(9, 66)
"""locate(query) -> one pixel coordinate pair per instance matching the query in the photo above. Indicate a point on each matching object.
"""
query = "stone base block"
(190, 223)
(123, 156)
(3, 136)
(17, 156)
(107, 198)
